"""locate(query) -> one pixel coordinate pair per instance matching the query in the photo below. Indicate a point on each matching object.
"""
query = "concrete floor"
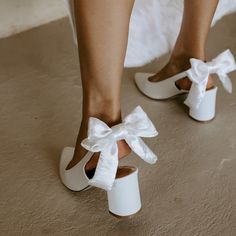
(190, 191)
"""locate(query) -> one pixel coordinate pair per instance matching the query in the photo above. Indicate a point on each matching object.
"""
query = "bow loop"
(139, 124)
(199, 72)
(224, 63)
(103, 139)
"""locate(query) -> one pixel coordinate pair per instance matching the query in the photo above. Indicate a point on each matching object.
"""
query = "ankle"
(185, 49)
(181, 60)
(107, 111)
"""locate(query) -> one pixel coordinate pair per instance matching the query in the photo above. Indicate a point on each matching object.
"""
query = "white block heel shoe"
(202, 103)
(121, 183)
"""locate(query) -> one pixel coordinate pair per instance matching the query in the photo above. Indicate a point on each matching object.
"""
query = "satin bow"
(199, 72)
(103, 139)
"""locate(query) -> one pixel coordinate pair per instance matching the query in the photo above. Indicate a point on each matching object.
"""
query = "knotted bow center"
(103, 139)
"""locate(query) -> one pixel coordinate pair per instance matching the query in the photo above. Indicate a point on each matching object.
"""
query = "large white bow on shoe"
(103, 139)
(199, 72)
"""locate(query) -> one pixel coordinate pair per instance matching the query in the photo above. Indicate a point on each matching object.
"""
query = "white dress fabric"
(154, 27)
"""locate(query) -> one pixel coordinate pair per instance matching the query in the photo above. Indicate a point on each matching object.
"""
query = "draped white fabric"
(154, 27)
(103, 139)
(199, 72)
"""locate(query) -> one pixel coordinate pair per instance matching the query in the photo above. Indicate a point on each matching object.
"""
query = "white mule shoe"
(161, 90)
(202, 103)
(122, 191)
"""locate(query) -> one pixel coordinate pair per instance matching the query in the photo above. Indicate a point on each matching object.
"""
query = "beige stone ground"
(192, 189)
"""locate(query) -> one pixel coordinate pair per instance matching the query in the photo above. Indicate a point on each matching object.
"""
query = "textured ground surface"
(192, 189)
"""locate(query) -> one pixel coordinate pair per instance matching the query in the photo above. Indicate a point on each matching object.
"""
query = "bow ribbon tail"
(199, 79)
(141, 149)
(195, 96)
(226, 82)
(106, 169)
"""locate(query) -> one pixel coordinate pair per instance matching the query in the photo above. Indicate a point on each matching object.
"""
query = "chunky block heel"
(206, 110)
(124, 198)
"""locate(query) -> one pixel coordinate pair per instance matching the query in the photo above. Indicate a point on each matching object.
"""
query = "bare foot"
(123, 149)
(176, 66)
